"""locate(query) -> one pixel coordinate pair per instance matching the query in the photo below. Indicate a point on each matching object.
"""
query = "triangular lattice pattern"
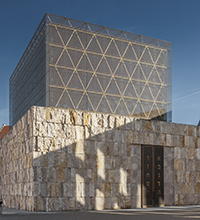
(98, 73)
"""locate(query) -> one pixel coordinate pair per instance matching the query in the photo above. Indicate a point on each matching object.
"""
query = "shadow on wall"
(85, 163)
(56, 159)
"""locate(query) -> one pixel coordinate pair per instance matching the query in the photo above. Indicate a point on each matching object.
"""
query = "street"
(166, 213)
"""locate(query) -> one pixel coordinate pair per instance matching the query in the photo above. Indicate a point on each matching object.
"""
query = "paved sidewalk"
(163, 213)
(8, 211)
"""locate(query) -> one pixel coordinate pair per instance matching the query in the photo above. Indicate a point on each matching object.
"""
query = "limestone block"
(91, 189)
(76, 117)
(135, 176)
(70, 132)
(114, 149)
(191, 142)
(109, 134)
(40, 114)
(119, 121)
(129, 123)
(177, 153)
(168, 139)
(111, 121)
(87, 119)
(90, 147)
(137, 138)
(108, 203)
(60, 130)
(138, 124)
(98, 203)
(79, 132)
(51, 132)
(127, 137)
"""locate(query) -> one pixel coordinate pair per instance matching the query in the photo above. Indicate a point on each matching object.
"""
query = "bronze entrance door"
(152, 176)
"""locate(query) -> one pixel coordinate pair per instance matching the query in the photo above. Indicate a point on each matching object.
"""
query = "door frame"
(152, 176)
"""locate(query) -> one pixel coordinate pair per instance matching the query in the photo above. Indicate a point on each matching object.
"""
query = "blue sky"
(176, 21)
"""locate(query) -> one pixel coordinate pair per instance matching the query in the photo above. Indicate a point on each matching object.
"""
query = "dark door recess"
(152, 176)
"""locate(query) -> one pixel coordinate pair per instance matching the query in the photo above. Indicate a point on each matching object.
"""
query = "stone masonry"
(56, 159)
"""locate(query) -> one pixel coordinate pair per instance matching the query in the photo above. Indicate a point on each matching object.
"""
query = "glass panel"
(162, 72)
(64, 60)
(130, 66)
(95, 99)
(84, 64)
(138, 86)
(138, 50)
(113, 32)
(93, 46)
(130, 92)
(121, 109)
(162, 96)
(94, 59)
(83, 103)
(65, 101)
(54, 78)
(104, 42)
(55, 94)
(65, 74)
(137, 74)
(154, 89)
(146, 57)
(146, 94)
(112, 88)
(131, 104)
(113, 101)
(84, 38)
(104, 80)
(121, 45)
(154, 77)
(75, 82)
(162, 107)
(122, 36)
(112, 50)
(85, 28)
(146, 70)
(154, 53)
(75, 96)
(74, 42)
(122, 83)
(121, 71)
(112, 63)
(94, 85)
(75, 56)
(129, 54)
(103, 67)
(75, 23)
(103, 107)
(104, 32)
(138, 110)
(95, 28)
(54, 37)
(162, 60)
(146, 106)
(54, 54)
(65, 34)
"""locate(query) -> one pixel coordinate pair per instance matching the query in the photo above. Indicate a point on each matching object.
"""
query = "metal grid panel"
(78, 65)
(104, 74)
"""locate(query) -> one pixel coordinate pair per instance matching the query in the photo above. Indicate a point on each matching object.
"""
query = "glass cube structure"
(78, 65)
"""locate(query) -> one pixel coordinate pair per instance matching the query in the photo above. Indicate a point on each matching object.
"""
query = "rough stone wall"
(56, 159)
(84, 161)
(187, 165)
(16, 165)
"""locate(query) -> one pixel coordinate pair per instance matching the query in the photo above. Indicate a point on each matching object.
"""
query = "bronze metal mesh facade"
(94, 68)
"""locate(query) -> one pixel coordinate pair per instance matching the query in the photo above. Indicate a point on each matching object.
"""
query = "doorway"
(152, 176)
